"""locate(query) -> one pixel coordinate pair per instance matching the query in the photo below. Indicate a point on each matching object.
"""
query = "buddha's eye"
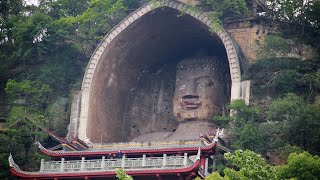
(205, 83)
(183, 86)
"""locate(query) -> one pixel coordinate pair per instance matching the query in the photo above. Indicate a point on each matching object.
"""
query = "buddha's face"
(199, 91)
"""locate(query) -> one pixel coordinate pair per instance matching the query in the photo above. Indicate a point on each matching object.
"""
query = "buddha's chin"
(193, 115)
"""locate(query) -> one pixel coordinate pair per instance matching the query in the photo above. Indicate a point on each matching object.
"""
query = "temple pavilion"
(158, 160)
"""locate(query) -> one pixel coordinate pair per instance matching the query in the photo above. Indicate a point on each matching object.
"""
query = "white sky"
(30, 2)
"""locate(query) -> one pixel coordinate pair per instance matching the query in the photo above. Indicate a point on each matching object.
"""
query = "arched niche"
(138, 57)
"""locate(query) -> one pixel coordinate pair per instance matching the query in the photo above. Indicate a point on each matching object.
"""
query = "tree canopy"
(44, 49)
(249, 165)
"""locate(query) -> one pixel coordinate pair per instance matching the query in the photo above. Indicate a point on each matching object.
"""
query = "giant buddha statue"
(201, 92)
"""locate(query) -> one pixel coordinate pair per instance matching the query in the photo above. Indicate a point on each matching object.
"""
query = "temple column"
(82, 163)
(214, 166)
(62, 164)
(185, 159)
(143, 160)
(41, 165)
(164, 160)
(123, 161)
(206, 167)
(103, 162)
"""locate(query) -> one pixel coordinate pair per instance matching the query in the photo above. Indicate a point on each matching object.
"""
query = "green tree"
(87, 28)
(283, 152)
(289, 10)
(18, 137)
(29, 37)
(10, 12)
(43, 52)
(298, 19)
(21, 128)
(27, 93)
(310, 80)
(121, 175)
(227, 8)
(213, 176)
(300, 121)
(62, 8)
(28, 101)
(276, 77)
(244, 126)
(250, 137)
(273, 46)
(248, 165)
(300, 166)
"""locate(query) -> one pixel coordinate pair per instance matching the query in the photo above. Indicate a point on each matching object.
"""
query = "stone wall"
(247, 35)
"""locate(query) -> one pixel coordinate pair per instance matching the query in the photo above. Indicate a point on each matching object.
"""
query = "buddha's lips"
(190, 103)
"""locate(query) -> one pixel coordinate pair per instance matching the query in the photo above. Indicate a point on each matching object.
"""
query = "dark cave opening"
(134, 81)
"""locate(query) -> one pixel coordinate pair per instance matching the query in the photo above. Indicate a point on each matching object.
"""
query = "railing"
(164, 162)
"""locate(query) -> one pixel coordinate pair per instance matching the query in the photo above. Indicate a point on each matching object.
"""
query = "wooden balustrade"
(164, 162)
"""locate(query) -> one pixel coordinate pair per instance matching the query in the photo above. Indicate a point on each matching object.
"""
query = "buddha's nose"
(191, 89)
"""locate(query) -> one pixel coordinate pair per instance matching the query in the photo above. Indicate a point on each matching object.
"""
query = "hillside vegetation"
(44, 50)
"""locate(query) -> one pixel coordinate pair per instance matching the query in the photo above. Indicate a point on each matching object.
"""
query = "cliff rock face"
(149, 105)
(250, 36)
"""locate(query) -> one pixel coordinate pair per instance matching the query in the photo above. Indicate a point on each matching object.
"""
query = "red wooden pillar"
(202, 162)
(158, 177)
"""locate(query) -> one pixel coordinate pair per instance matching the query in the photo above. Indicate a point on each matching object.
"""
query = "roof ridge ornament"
(217, 135)
(12, 164)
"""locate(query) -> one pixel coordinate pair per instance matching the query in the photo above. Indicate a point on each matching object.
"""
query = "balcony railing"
(165, 162)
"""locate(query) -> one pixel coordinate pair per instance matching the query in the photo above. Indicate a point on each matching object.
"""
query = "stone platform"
(185, 131)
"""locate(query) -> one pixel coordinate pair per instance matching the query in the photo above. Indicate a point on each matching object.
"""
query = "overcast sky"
(29, 2)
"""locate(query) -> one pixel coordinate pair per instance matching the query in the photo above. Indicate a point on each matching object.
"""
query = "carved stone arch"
(79, 123)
